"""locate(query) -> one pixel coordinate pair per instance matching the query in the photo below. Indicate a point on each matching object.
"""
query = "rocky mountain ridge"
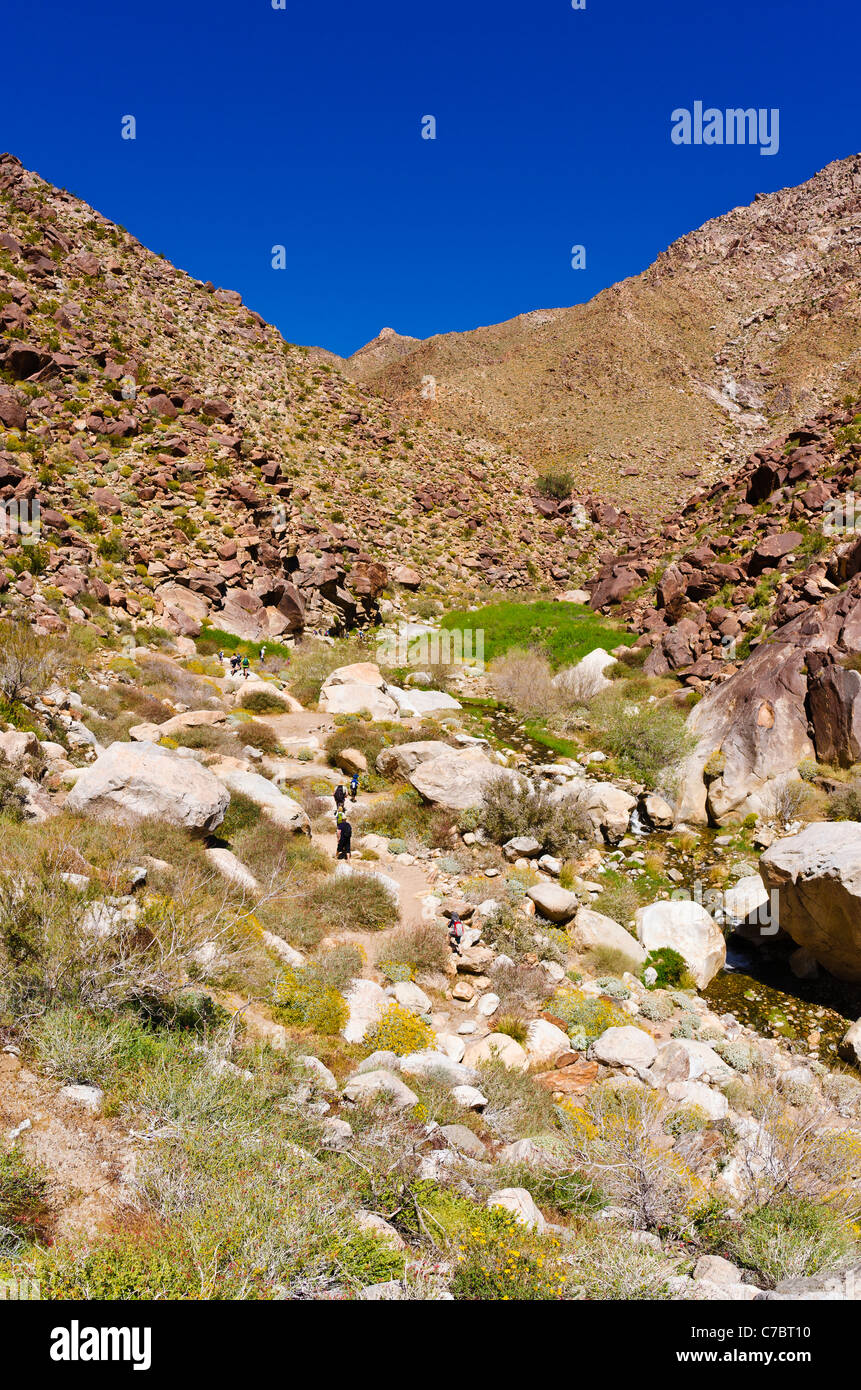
(739, 328)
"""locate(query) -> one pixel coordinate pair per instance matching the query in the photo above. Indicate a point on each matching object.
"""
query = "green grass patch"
(565, 631)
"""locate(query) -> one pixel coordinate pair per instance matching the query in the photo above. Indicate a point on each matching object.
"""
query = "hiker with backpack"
(340, 797)
(354, 786)
(455, 933)
(345, 837)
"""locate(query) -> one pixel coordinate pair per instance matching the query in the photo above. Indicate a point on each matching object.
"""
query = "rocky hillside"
(230, 1065)
(747, 324)
(189, 463)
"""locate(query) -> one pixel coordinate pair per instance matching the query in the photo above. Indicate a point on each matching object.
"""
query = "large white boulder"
(497, 1046)
(366, 1002)
(624, 1047)
(352, 689)
(553, 902)
(455, 780)
(593, 931)
(411, 703)
(544, 1041)
(366, 1086)
(137, 781)
(606, 808)
(403, 758)
(280, 808)
(520, 1204)
(686, 927)
(817, 875)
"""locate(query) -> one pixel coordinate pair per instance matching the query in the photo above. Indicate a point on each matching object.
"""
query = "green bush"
(671, 968)
(644, 738)
(555, 483)
(513, 806)
(793, 1238)
(399, 1031)
(306, 1001)
(263, 702)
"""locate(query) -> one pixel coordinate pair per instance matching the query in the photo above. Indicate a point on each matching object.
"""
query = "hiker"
(221, 656)
(246, 667)
(345, 835)
(354, 786)
(455, 933)
(234, 664)
(340, 816)
(340, 796)
(263, 656)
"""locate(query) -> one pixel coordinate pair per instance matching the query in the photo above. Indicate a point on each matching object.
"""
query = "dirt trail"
(91, 1160)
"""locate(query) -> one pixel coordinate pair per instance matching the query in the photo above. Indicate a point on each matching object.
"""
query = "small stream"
(757, 986)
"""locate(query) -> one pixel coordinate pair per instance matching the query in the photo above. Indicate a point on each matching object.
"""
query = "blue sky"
(301, 127)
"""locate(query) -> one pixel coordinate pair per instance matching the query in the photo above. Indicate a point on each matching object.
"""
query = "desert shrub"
(336, 967)
(523, 989)
(618, 900)
(513, 1027)
(792, 1238)
(611, 960)
(797, 1154)
(206, 737)
(845, 802)
(645, 738)
(304, 1000)
(400, 1031)
(353, 902)
(500, 1260)
(577, 685)
(523, 680)
(741, 1056)
(28, 663)
(604, 1263)
(25, 1211)
(509, 932)
(421, 946)
(514, 806)
(12, 798)
(585, 1016)
(263, 702)
(670, 968)
(257, 735)
(617, 1141)
(789, 800)
(517, 1107)
(241, 815)
(555, 483)
(401, 816)
(657, 1008)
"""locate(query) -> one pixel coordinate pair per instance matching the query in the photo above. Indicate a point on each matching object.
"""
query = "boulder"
(696, 1093)
(366, 1002)
(850, 1046)
(686, 927)
(436, 1066)
(817, 875)
(368, 1085)
(519, 1203)
(137, 781)
(455, 780)
(624, 1047)
(607, 808)
(501, 1046)
(754, 729)
(352, 760)
(404, 758)
(544, 1041)
(414, 703)
(553, 902)
(592, 930)
(283, 810)
(411, 997)
(358, 698)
